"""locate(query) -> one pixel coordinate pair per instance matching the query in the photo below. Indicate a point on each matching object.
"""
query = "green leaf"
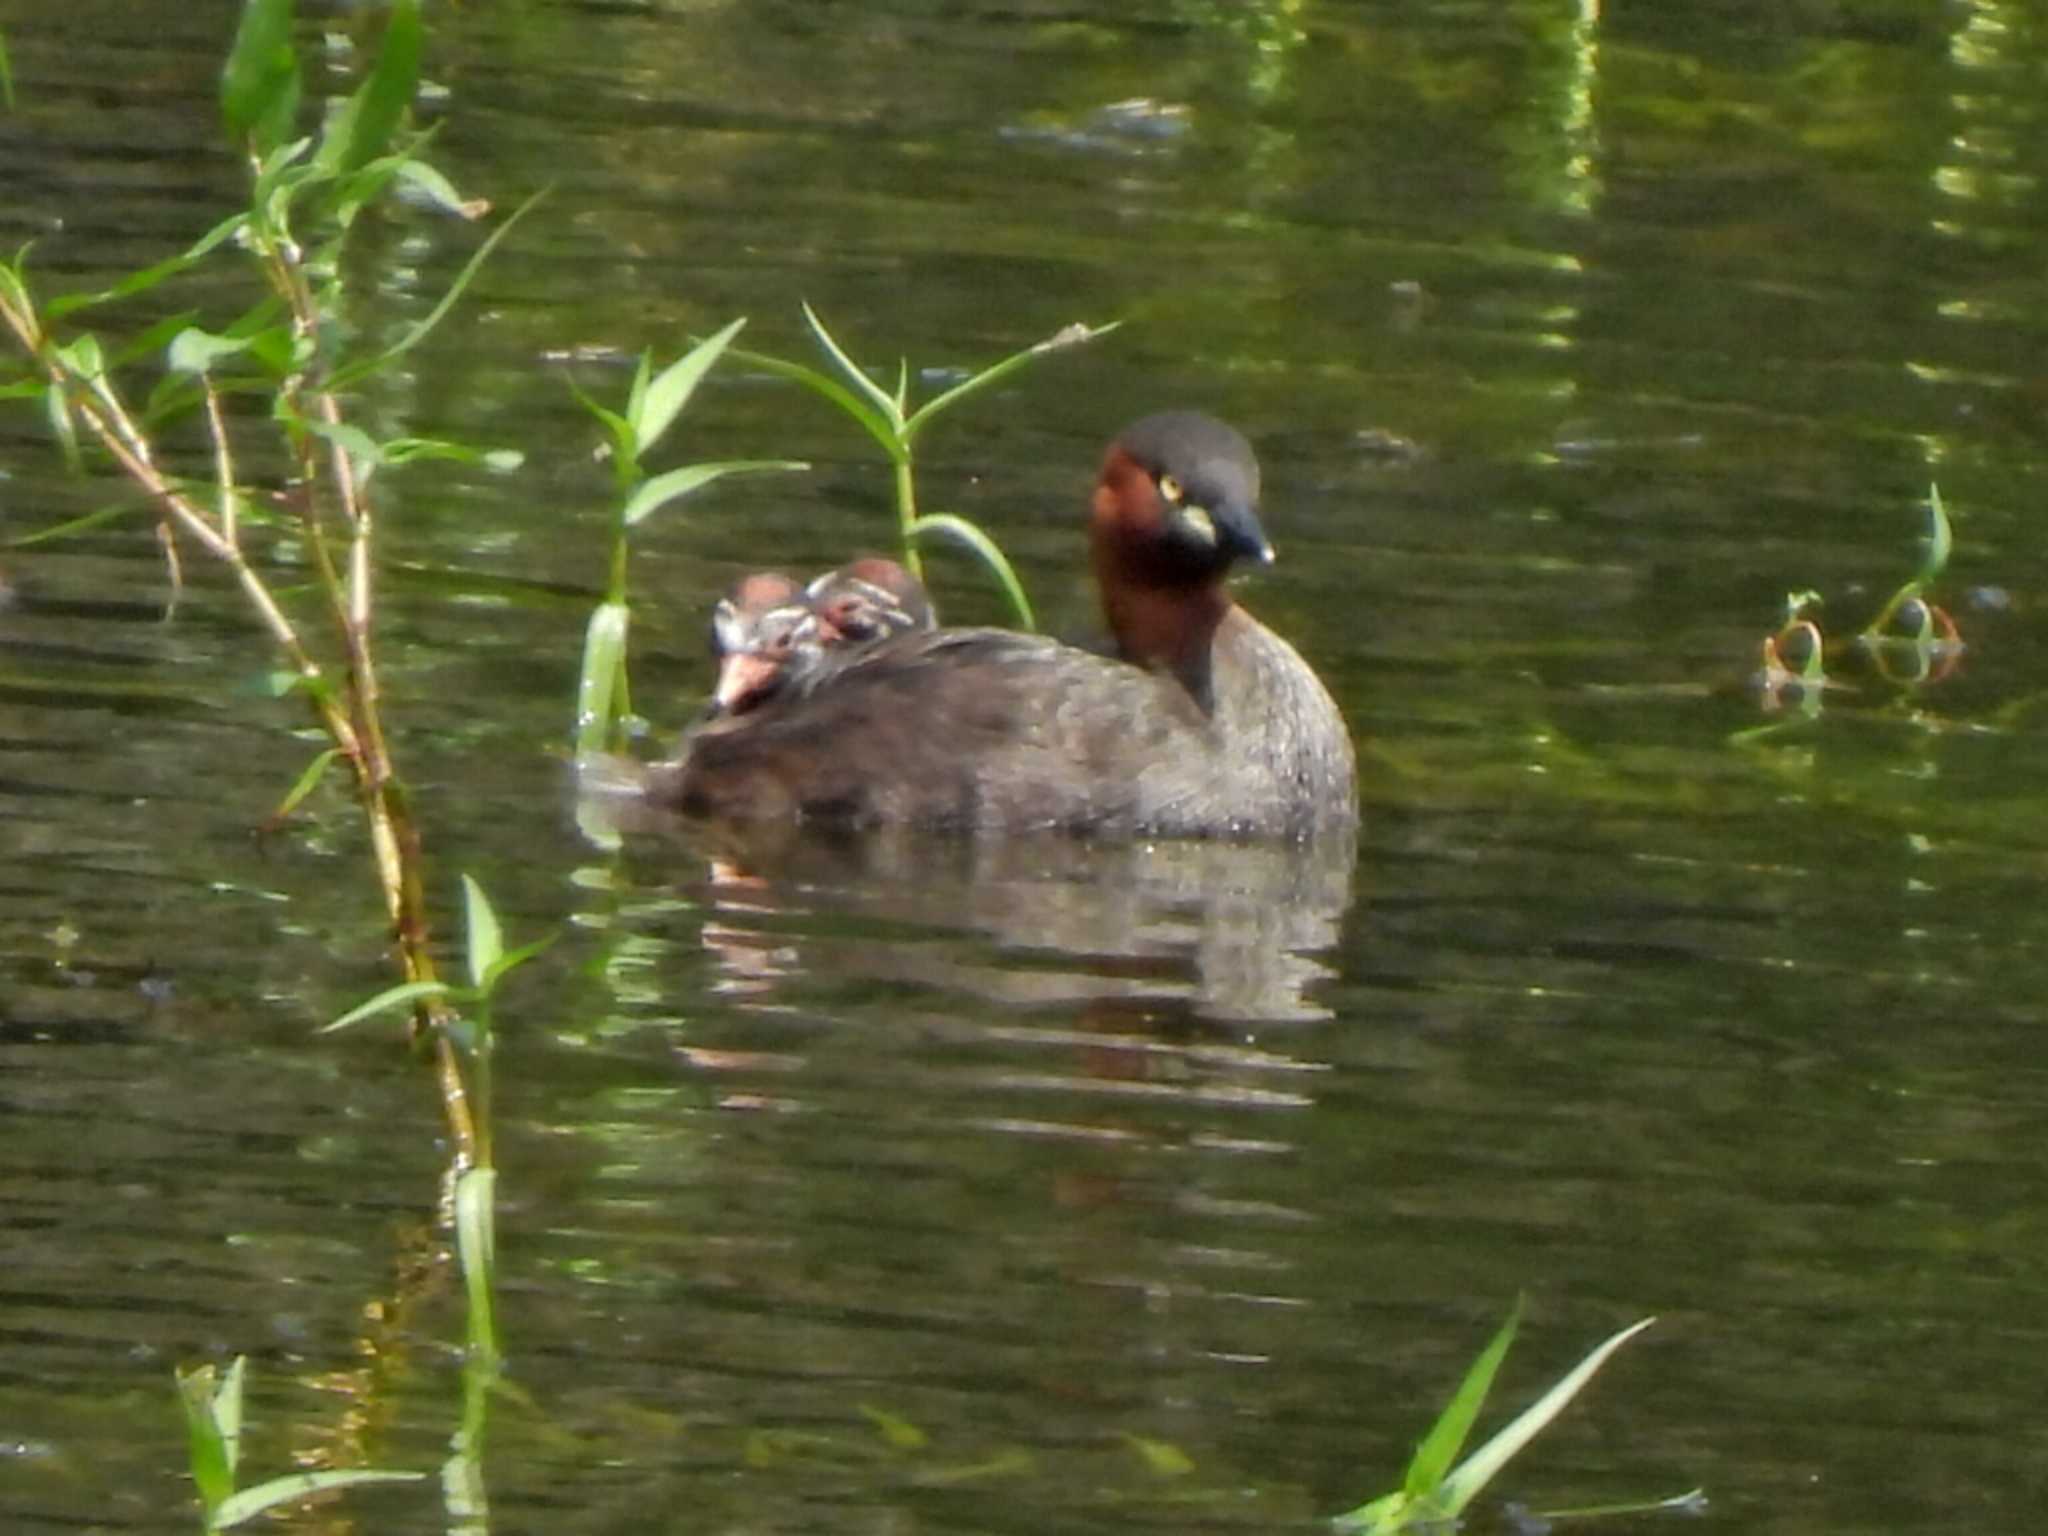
(14, 280)
(226, 1412)
(403, 450)
(212, 1410)
(401, 996)
(899, 1433)
(379, 105)
(278, 178)
(437, 190)
(23, 389)
(1940, 538)
(1071, 336)
(1387, 1513)
(6, 77)
(150, 276)
(486, 939)
(619, 429)
(476, 1248)
(315, 770)
(259, 88)
(1162, 1457)
(82, 356)
(362, 449)
(294, 1486)
(678, 483)
(877, 395)
(1463, 1485)
(654, 409)
(82, 524)
(604, 651)
(174, 395)
(636, 397)
(149, 342)
(420, 330)
(512, 959)
(196, 351)
(64, 428)
(961, 531)
(872, 421)
(1446, 1437)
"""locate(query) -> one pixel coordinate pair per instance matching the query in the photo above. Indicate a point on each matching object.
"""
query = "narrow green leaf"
(259, 89)
(279, 176)
(82, 524)
(82, 356)
(437, 191)
(1161, 1457)
(512, 959)
(486, 939)
(363, 450)
(1387, 1513)
(420, 330)
(196, 351)
(877, 395)
(6, 77)
(401, 996)
(14, 280)
(227, 1411)
(1940, 538)
(403, 450)
(294, 1486)
(315, 770)
(23, 389)
(898, 1432)
(208, 1454)
(173, 396)
(149, 342)
(1072, 336)
(1446, 1437)
(604, 652)
(476, 1249)
(636, 397)
(872, 421)
(383, 98)
(624, 449)
(1463, 1485)
(65, 429)
(678, 483)
(150, 276)
(670, 390)
(961, 531)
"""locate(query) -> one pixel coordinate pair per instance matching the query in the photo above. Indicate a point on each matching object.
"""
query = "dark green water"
(1055, 1152)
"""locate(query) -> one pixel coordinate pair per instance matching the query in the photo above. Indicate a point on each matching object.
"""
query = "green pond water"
(1572, 339)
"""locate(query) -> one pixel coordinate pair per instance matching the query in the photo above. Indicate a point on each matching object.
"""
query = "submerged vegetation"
(1911, 642)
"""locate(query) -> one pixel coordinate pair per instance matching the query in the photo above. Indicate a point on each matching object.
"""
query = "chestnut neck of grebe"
(1175, 506)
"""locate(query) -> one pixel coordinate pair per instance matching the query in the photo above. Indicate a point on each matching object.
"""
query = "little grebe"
(767, 631)
(1210, 725)
(758, 631)
(869, 600)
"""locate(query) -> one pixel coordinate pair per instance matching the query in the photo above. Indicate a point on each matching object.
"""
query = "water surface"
(1571, 343)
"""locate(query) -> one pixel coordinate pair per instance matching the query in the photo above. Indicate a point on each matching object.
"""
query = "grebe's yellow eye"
(1170, 489)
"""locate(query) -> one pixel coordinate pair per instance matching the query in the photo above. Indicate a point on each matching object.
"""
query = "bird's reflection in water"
(1222, 933)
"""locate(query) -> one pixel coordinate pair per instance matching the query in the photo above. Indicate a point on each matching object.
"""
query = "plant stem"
(906, 512)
